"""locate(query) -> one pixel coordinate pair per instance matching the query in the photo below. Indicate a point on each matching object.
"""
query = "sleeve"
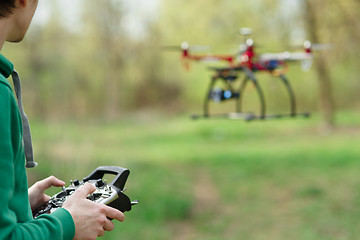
(56, 226)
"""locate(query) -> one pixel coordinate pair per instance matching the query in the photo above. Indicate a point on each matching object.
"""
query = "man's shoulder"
(6, 67)
(4, 84)
(5, 88)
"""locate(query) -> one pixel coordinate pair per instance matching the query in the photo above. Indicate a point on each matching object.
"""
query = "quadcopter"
(243, 67)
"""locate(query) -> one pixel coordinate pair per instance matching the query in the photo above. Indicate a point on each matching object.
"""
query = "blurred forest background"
(105, 58)
(99, 89)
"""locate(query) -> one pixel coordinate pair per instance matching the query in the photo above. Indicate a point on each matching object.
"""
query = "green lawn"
(218, 179)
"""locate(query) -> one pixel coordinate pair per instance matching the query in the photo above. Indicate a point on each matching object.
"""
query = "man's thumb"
(84, 190)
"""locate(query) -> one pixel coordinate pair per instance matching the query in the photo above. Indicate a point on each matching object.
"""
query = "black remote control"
(111, 194)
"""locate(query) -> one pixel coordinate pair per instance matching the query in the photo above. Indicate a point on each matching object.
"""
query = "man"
(79, 218)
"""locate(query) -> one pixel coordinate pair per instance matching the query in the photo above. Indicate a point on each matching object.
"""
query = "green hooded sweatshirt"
(16, 221)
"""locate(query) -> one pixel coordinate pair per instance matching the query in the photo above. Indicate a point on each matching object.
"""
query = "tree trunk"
(326, 103)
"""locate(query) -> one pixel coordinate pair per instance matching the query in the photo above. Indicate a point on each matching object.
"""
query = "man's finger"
(47, 198)
(49, 182)
(84, 190)
(101, 233)
(114, 214)
(108, 226)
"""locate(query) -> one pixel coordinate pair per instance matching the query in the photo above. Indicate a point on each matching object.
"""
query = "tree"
(326, 102)
(109, 38)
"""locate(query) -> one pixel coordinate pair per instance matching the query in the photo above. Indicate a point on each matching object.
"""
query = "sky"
(138, 12)
(69, 8)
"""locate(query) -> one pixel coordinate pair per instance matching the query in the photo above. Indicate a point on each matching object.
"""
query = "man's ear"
(21, 3)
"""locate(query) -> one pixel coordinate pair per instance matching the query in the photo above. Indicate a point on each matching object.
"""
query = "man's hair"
(6, 7)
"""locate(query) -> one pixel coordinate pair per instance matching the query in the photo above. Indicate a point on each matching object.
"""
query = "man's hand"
(37, 197)
(91, 219)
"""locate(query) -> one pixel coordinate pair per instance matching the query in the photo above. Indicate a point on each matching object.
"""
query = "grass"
(218, 179)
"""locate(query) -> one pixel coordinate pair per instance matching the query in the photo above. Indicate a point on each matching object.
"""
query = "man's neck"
(4, 26)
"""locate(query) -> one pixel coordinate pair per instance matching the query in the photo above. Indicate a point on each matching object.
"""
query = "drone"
(242, 67)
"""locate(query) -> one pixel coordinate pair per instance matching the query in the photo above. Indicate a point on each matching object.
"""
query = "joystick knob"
(76, 182)
(99, 183)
